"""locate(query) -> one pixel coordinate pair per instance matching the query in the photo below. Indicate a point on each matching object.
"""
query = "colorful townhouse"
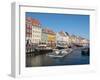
(61, 39)
(51, 38)
(36, 31)
(28, 29)
(44, 36)
(48, 37)
(33, 30)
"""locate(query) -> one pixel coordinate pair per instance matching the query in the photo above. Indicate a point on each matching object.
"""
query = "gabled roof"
(48, 31)
(62, 33)
(33, 21)
(67, 33)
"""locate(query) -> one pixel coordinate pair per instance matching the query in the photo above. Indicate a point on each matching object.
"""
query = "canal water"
(74, 58)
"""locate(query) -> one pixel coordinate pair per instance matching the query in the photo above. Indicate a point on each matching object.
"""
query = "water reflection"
(73, 58)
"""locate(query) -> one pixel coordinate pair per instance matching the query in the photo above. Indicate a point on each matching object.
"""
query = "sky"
(74, 24)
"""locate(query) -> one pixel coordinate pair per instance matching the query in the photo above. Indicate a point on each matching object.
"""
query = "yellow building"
(73, 39)
(51, 38)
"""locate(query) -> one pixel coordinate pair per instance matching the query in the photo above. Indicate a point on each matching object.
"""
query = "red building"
(28, 27)
(30, 22)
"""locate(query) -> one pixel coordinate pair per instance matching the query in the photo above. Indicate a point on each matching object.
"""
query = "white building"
(36, 34)
(36, 31)
(62, 39)
(85, 42)
(33, 30)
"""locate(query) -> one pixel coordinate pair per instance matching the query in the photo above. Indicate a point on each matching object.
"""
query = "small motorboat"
(59, 53)
(63, 51)
(56, 51)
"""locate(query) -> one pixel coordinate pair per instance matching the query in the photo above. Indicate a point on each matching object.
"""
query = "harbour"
(73, 58)
(56, 44)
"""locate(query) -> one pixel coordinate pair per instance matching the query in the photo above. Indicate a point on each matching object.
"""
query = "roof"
(67, 33)
(33, 21)
(48, 31)
(62, 33)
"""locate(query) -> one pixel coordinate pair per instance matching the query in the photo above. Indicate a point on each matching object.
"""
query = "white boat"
(64, 52)
(59, 53)
(55, 56)
(56, 51)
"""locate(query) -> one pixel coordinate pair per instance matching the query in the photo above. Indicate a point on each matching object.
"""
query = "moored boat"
(59, 53)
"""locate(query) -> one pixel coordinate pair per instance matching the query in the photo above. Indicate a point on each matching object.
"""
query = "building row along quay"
(37, 35)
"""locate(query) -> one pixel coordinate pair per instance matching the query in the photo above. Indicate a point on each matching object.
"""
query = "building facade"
(44, 36)
(29, 28)
(35, 35)
(36, 31)
(61, 39)
(68, 38)
(51, 38)
(73, 39)
(33, 30)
